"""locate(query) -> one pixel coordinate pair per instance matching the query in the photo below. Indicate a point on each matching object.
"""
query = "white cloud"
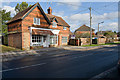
(60, 13)
(112, 26)
(78, 20)
(109, 26)
(105, 16)
(11, 9)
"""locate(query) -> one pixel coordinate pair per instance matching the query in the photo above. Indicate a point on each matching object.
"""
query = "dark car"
(118, 66)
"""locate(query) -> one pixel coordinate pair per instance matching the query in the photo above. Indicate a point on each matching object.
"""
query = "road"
(113, 75)
(63, 64)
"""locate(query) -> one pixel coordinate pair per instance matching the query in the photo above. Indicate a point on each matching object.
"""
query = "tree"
(118, 34)
(21, 7)
(109, 34)
(115, 32)
(5, 16)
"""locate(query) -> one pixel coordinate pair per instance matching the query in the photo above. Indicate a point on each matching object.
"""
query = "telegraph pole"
(90, 27)
(98, 34)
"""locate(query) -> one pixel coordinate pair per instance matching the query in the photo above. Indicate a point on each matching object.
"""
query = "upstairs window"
(36, 21)
(64, 28)
(54, 25)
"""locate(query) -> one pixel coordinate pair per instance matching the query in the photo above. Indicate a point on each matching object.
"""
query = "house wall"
(62, 32)
(28, 22)
(14, 36)
(102, 40)
(15, 40)
(85, 41)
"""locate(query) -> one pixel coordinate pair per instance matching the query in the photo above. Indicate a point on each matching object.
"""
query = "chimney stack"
(49, 10)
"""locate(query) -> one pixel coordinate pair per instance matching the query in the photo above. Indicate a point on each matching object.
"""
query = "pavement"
(63, 64)
(20, 54)
(69, 47)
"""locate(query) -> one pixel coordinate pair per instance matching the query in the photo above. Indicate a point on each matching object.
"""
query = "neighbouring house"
(83, 30)
(110, 36)
(33, 27)
(82, 36)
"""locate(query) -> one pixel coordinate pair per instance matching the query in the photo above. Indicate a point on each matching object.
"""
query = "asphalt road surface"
(63, 64)
(113, 75)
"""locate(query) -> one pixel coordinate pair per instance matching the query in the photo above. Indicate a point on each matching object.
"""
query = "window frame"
(54, 25)
(53, 39)
(64, 39)
(64, 28)
(36, 21)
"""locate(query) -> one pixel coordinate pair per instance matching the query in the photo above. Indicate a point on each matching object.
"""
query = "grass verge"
(7, 48)
(101, 44)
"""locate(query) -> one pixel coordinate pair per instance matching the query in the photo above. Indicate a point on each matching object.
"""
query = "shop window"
(36, 38)
(53, 39)
(64, 39)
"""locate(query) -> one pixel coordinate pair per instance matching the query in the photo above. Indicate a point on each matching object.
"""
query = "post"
(98, 34)
(90, 27)
(78, 42)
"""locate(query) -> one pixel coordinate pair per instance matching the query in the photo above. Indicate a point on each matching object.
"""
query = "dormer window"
(54, 25)
(36, 21)
(64, 28)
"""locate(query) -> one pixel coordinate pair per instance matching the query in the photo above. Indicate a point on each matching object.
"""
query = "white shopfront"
(43, 37)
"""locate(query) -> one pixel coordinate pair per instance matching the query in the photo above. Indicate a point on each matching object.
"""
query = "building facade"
(33, 27)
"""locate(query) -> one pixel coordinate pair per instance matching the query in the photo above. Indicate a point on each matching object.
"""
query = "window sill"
(36, 24)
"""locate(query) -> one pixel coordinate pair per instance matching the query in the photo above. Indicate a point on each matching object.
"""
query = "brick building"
(33, 27)
(84, 29)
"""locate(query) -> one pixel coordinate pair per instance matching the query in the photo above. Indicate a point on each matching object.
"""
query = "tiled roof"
(41, 32)
(49, 17)
(84, 28)
(59, 19)
(20, 14)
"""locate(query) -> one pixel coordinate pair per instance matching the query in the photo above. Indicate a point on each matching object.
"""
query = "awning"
(41, 32)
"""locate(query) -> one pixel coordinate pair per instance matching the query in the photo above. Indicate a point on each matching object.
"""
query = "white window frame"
(53, 39)
(64, 28)
(54, 25)
(37, 21)
(64, 39)
(37, 40)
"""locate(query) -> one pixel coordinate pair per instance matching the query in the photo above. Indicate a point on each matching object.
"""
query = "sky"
(77, 13)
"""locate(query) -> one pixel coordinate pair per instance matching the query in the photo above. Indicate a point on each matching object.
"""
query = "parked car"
(118, 66)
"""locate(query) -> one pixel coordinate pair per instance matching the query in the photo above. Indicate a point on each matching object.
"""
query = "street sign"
(72, 37)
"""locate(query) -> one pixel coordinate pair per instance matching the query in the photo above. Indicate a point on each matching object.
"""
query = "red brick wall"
(28, 21)
(16, 26)
(62, 32)
(14, 40)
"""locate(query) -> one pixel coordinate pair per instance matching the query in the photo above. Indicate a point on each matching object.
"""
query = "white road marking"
(22, 67)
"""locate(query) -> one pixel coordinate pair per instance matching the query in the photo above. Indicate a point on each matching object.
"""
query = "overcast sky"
(77, 13)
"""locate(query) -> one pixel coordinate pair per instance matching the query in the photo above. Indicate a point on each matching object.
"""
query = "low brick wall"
(102, 40)
(85, 41)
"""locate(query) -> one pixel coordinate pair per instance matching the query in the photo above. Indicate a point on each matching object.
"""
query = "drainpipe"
(30, 36)
(57, 39)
